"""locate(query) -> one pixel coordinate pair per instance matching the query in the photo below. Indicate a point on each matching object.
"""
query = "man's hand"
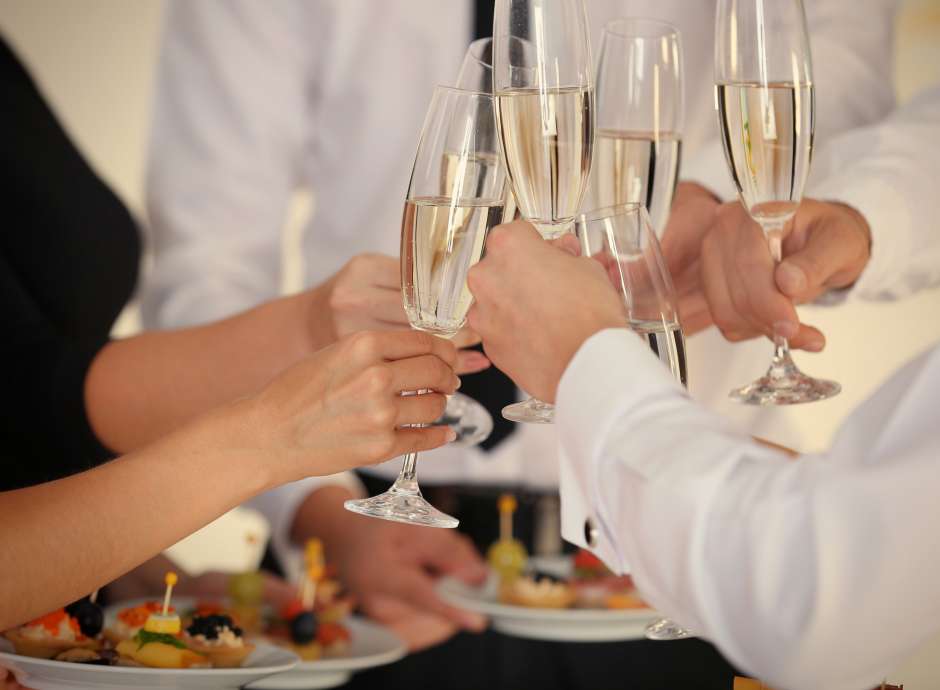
(536, 303)
(739, 289)
(365, 295)
(392, 569)
(693, 213)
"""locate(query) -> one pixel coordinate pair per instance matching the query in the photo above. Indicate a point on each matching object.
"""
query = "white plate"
(370, 645)
(564, 625)
(45, 674)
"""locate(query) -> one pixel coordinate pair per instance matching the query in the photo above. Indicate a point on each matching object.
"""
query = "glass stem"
(408, 476)
(782, 361)
(408, 470)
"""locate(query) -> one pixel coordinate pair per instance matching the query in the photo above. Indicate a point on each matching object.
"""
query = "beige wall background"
(94, 60)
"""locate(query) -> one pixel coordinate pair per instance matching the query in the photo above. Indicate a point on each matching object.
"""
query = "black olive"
(89, 616)
(539, 575)
(209, 626)
(303, 628)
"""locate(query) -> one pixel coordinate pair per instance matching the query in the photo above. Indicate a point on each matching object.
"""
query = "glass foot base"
(399, 505)
(664, 629)
(785, 384)
(468, 418)
(531, 411)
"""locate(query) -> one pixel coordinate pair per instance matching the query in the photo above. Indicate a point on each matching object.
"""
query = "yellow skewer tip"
(507, 503)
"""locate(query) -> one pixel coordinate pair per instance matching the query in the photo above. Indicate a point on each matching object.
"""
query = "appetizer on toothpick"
(159, 643)
(507, 556)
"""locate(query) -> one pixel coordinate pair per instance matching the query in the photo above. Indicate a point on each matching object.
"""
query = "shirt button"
(590, 533)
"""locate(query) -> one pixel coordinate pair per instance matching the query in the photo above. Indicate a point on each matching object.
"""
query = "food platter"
(46, 674)
(371, 645)
(565, 625)
(559, 624)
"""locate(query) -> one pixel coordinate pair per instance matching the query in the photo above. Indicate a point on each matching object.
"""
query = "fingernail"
(790, 278)
(459, 383)
(786, 329)
(450, 436)
(815, 344)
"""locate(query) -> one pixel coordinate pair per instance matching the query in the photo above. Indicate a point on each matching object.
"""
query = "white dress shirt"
(816, 573)
(257, 99)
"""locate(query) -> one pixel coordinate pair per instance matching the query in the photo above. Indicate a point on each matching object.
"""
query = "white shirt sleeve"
(819, 572)
(226, 146)
(852, 43)
(889, 172)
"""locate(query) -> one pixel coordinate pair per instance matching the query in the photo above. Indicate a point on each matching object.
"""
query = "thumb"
(826, 260)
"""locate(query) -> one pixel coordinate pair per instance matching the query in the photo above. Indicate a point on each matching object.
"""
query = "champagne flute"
(623, 239)
(454, 198)
(766, 108)
(544, 87)
(638, 144)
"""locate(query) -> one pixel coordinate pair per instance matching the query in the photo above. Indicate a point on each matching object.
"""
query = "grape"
(303, 628)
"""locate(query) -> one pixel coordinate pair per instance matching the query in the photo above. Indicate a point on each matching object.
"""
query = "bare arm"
(143, 387)
(99, 524)
(339, 409)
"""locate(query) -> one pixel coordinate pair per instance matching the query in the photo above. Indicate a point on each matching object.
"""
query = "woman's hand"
(343, 407)
(365, 294)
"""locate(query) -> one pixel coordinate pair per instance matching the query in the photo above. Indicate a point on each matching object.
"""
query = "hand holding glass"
(623, 240)
(544, 86)
(766, 108)
(454, 197)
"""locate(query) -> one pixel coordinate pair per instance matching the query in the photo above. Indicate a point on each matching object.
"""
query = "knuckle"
(378, 379)
(383, 416)
(475, 277)
(498, 237)
(365, 345)
(382, 445)
(345, 298)
(359, 264)
(424, 342)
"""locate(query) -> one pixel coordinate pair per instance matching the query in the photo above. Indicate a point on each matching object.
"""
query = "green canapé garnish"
(144, 638)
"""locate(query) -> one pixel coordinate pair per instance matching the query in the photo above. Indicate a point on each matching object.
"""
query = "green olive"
(507, 558)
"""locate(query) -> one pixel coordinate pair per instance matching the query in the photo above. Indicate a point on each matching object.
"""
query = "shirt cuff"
(592, 395)
(280, 506)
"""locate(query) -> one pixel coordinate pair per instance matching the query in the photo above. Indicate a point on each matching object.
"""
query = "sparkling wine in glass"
(455, 196)
(766, 102)
(544, 87)
(623, 239)
(638, 143)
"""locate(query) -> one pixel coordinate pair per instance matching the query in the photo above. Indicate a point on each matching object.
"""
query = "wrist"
(860, 222)
(311, 315)
(235, 432)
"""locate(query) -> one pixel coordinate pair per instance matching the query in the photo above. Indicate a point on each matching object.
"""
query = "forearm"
(143, 387)
(97, 525)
